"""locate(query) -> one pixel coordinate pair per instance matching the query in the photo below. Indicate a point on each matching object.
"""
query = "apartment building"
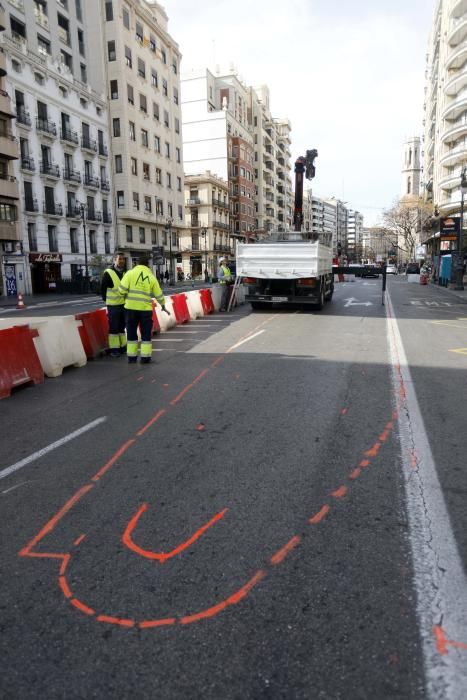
(207, 235)
(273, 203)
(62, 132)
(445, 118)
(12, 267)
(141, 71)
(354, 235)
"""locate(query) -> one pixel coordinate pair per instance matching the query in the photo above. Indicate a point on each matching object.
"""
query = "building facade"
(62, 132)
(141, 70)
(354, 235)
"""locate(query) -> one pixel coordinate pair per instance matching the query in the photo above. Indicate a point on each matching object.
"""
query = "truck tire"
(322, 299)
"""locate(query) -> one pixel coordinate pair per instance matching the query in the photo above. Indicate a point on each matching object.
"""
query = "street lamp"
(82, 208)
(204, 233)
(460, 241)
(168, 228)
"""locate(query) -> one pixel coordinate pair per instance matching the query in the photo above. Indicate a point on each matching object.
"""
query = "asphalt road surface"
(275, 508)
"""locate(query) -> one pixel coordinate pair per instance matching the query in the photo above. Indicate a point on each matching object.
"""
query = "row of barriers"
(34, 347)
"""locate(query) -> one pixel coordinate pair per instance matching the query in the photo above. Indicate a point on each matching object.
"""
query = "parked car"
(370, 271)
(413, 269)
(391, 270)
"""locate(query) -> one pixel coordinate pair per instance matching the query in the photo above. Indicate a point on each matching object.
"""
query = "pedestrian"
(166, 276)
(138, 287)
(224, 277)
(110, 283)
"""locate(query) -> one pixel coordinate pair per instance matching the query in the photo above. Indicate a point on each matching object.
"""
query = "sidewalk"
(460, 294)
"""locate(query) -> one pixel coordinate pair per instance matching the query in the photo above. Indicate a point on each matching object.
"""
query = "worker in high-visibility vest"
(138, 287)
(225, 279)
(115, 305)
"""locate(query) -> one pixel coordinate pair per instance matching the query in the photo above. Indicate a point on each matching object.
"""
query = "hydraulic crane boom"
(304, 165)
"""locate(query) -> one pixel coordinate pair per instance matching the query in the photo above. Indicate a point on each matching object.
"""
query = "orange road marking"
(139, 379)
(153, 381)
(78, 541)
(413, 459)
(319, 515)
(442, 642)
(282, 553)
(64, 586)
(364, 463)
(81, 606)
(113, 459)
(147, 624)
(209, 612)
(344, 411)
(373, 451)
(340, 492)
(153, 420)
(395, 415)
(163, 556)
(66, 560)
(115, 621)
(190, 386)
(355, 474)
(384, 436)
(48, 527)
(244, 590)
(200, 427)
(218, 361)
(389, 426)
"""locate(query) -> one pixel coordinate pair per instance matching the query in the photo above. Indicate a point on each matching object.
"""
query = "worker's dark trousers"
(117, 320)
(144, 320)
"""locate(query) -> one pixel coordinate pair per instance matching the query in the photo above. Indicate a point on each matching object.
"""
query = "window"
(92, 241)
(157, 144)
(147, 205)
(176, 96)
(81, 42)
(141, 68)
(146, 175)
(130, 93)
(177, 125)
(154, 81)
(32, 236)
(169, 181)
(52, 235)
(152, 43)
(142, 234)
(167, 149)
(84, 73)
(74, 242)
(114, 90)
(39, 78)
(129, 234)
(143, 103)
(116, 127)
(164, 87)
(136, 201)
(18, 29)
(160, 207)
(126, 18)
(166, 118)
(174, 66)
(179, 184)
(164, 237)
(128, 59)
(139, 32)
(180, 212)
(79, 12)
(170, 213)
(111, 53)
(154, 236)
(66, 60)
(155, 110)
(43, 46)
(144, 138)
(134, 166)
(8, 212)
(159, 176)
(120, 199)
(164, 56)
(178, 154)
(106, 242)
(132, 131)
(109, 13)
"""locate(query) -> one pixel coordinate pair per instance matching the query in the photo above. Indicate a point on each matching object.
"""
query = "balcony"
(105, 185)
(459, 129)
(88, 144)
(91, 181)
(195, 223)
(2, 19)
(18, 4)
(103, 150)
(27, 164)
(69, 136)
(458, 32)
(22, 117)
(64, 36)
(8, 145)
(73, 212)
(94, 216)
(41, 19)
(52, 209)
(46, 127)
(3, 70)
(5, 105)
(31, 206)
(49, 169)
(73, 177)
(454, 156)
(107, 217)
(9, 187)
(457, 58)
(193, 202)
(220, 224)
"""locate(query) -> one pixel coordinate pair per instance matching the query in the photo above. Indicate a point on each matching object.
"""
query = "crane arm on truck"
(304, 165)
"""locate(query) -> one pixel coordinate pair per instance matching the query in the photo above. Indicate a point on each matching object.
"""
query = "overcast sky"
(349, 74)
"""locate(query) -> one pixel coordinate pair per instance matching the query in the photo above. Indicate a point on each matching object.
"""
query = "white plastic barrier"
(413, 279)
(194, 304)
(241, 291)
(58, 344)
(216, 291)
(165, 321)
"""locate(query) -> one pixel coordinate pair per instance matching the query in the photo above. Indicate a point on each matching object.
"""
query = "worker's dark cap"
(144, 259)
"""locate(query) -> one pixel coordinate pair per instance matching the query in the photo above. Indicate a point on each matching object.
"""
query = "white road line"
(245, 340)
(440, 579)
(168, 340)
(27, 460)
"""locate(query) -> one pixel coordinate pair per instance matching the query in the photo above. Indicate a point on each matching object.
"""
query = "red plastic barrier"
(180, 307)
(206, 301)
(156, 328)
(94, 332)
(20, 362)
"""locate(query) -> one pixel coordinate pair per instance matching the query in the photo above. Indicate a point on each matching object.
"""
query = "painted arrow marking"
(351, 301)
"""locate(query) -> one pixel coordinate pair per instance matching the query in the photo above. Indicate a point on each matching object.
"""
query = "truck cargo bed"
(283, 260)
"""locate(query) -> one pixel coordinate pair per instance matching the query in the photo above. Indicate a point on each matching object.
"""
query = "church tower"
(411, 170)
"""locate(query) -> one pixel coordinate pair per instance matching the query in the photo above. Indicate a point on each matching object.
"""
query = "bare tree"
(406, 223)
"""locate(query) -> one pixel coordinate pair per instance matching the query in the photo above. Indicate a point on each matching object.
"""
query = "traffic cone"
(20, 304)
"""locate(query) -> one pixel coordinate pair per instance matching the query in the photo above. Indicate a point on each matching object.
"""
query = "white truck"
(291, 267)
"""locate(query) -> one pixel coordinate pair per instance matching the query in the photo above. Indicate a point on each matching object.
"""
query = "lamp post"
(82, 208)
(460, 241)
(204, 234)
(168, 228)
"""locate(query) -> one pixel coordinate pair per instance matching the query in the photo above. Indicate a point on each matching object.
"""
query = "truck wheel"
(329, 294)
(322, 300)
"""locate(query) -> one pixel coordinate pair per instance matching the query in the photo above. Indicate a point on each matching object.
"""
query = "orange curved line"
(163, 556)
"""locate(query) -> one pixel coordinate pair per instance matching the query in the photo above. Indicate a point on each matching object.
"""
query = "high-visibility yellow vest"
(227, 275)
(139, 286)
(113, 297)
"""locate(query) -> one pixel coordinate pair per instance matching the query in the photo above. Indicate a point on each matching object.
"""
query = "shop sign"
(449, 227)
(45, 257)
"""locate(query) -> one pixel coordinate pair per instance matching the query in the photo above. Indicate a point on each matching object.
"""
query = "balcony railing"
(23, 117)
(107, 217)
(94, 215)
(105, 185)
(88, 144)
(195, 223)
(50, 169)
(193, 201)
(46, 126)
(220, 224)
(52, 209)
(69, 135)
(31, 205)
(28, 164)
(73, 212)
(103, 150)
(71, 175)
(91, 181)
